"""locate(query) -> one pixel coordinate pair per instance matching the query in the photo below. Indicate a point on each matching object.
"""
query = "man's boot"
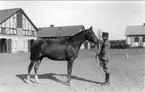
(107, 76)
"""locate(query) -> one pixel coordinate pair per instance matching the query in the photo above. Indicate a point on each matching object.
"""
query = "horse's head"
(90, 35)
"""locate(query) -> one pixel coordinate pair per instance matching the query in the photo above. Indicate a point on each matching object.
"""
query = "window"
(3, 24)
(26, 32)
(0, 29)
(11, 22)
(15, 32)
(7, 23)
(7, 31)
(11, 31)
(143, 39)
(136, 39)
(30, 32)
(15, 22)
(24, 23)
(3, 30)
(34, 33)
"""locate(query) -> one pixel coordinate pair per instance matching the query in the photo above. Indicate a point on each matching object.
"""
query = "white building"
(135, 35)
(17, 31)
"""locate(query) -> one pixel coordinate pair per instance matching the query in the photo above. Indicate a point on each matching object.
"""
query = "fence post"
(126, 56)
(139, 50)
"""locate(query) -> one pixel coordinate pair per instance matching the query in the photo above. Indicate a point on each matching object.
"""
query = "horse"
(61, 50)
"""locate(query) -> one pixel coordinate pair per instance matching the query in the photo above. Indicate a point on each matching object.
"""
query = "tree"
(99, 34)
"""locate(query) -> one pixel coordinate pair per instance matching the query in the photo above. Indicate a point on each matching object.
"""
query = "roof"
(59, 31)
(135, 30)
(7, 13)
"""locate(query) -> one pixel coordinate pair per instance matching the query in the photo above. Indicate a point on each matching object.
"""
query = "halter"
(87, 31)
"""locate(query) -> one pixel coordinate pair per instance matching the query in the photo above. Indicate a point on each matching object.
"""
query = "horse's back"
(55, 49)
(37, 42)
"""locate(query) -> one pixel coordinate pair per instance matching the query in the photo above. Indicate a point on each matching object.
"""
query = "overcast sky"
(109, 16)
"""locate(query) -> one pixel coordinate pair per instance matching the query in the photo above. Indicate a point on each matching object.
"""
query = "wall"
(130, 40)
(19, 30)
(19, 43)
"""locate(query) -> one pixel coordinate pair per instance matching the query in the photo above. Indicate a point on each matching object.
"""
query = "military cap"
(105, 34)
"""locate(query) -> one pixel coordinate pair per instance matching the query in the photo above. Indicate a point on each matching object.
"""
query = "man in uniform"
(103, 56)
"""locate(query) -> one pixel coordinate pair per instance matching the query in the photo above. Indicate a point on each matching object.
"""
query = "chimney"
(51, 25)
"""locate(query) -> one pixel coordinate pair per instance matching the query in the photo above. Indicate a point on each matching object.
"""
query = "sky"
(107, 16)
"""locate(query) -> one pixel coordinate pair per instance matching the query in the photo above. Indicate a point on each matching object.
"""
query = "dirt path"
(127, 75)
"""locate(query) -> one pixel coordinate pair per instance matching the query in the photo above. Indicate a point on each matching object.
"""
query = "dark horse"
(63, 49)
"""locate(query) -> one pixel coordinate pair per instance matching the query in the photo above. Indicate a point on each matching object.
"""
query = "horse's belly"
(55, 55)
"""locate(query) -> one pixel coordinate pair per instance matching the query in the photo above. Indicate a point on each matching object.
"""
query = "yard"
(127, 74)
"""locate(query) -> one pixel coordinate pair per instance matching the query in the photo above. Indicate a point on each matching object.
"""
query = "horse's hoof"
(36, 81)
(69, 83)
(27, 81)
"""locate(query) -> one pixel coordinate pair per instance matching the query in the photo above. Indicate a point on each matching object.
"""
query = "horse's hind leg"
(69, 70)
(36, 68)
(29, 70)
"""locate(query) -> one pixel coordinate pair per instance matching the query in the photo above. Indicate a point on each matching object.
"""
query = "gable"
(8, 13)
(5, 14)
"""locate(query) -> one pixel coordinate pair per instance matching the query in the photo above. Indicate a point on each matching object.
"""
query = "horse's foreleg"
(36, 69)
(29, 70)
(69, 70)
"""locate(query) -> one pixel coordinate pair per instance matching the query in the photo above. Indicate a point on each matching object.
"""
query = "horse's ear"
(83, 28)
(91, 27)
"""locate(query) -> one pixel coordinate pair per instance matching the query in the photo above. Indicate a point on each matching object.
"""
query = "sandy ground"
(127, 75)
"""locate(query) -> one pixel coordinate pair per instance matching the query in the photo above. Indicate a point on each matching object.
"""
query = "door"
(9, 43)
(3, 45)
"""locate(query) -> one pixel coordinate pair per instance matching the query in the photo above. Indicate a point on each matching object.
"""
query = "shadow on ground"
(51, 76)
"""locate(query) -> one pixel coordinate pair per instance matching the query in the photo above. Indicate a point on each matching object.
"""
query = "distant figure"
(103, 56)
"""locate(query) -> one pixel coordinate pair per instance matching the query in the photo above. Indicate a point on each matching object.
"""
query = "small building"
(135, 35)
(62, 32)
(17, 31)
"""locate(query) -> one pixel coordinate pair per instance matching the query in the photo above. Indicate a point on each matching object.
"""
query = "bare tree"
(99, 34)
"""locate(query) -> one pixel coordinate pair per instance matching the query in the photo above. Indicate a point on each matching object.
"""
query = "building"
(17, 31)
(55, 33)
(135, 35)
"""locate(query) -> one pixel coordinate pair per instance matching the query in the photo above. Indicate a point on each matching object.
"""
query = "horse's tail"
(35, 49)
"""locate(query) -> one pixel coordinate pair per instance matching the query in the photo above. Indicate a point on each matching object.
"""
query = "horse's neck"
(78, 38)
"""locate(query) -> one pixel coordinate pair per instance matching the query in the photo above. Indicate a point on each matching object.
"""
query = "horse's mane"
(78, 34)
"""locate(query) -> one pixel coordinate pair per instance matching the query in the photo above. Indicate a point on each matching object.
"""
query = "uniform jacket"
(104, 51)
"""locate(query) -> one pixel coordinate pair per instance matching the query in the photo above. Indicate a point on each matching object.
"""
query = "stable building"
(56, 33)
(135, 35)
(17, 31)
